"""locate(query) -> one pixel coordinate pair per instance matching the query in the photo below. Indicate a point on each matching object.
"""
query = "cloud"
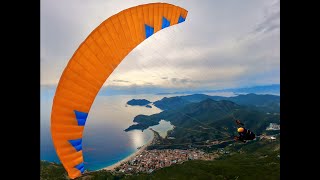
(222, 44)
(118, 80)
(270, 23)
(184, 82)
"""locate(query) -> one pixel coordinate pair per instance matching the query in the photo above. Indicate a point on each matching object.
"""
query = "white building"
(273, 126)
(272, 138)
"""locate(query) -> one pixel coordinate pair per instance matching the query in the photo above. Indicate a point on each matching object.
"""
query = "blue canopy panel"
(165, 23)
(181, 19)
(80, 167)
(81, 117)
(77, 144)
(82, 170)
(149, 30)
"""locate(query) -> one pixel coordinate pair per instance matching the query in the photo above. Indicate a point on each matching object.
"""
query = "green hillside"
(258, 160)
(254, 160)
(52, 171)
(207, 120)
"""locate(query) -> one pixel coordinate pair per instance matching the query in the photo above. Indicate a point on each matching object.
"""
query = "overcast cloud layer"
(222, 44)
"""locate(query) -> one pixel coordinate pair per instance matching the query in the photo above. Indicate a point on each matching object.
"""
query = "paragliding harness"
(245, 135)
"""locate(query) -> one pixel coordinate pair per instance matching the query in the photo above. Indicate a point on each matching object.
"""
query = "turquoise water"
(163, 127)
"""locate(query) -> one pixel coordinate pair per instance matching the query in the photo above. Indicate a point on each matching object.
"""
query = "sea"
(104, 140)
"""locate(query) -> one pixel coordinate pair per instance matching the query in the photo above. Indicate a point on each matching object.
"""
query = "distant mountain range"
(129, 90)
(115, 90)
(201, 117)
(262, 102)
(270, 103)
(266, 89)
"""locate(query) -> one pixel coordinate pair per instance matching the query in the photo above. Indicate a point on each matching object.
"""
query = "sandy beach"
(112, 167)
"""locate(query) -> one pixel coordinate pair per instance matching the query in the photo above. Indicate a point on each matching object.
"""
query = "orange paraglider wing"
(90, 66)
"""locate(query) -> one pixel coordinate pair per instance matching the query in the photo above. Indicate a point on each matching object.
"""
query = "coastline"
(131, 156)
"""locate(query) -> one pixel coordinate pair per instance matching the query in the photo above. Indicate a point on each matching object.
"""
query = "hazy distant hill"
(172, 102)
(265, 89)
(266, 103)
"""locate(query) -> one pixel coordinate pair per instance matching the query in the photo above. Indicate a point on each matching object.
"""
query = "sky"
(222, 44)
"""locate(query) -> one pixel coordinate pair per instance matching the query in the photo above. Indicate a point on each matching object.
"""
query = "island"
(138, 102)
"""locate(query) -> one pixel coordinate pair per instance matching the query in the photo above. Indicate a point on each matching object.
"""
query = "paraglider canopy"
(91, 64)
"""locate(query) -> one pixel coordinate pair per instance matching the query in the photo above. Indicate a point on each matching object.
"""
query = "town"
(150, 160)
